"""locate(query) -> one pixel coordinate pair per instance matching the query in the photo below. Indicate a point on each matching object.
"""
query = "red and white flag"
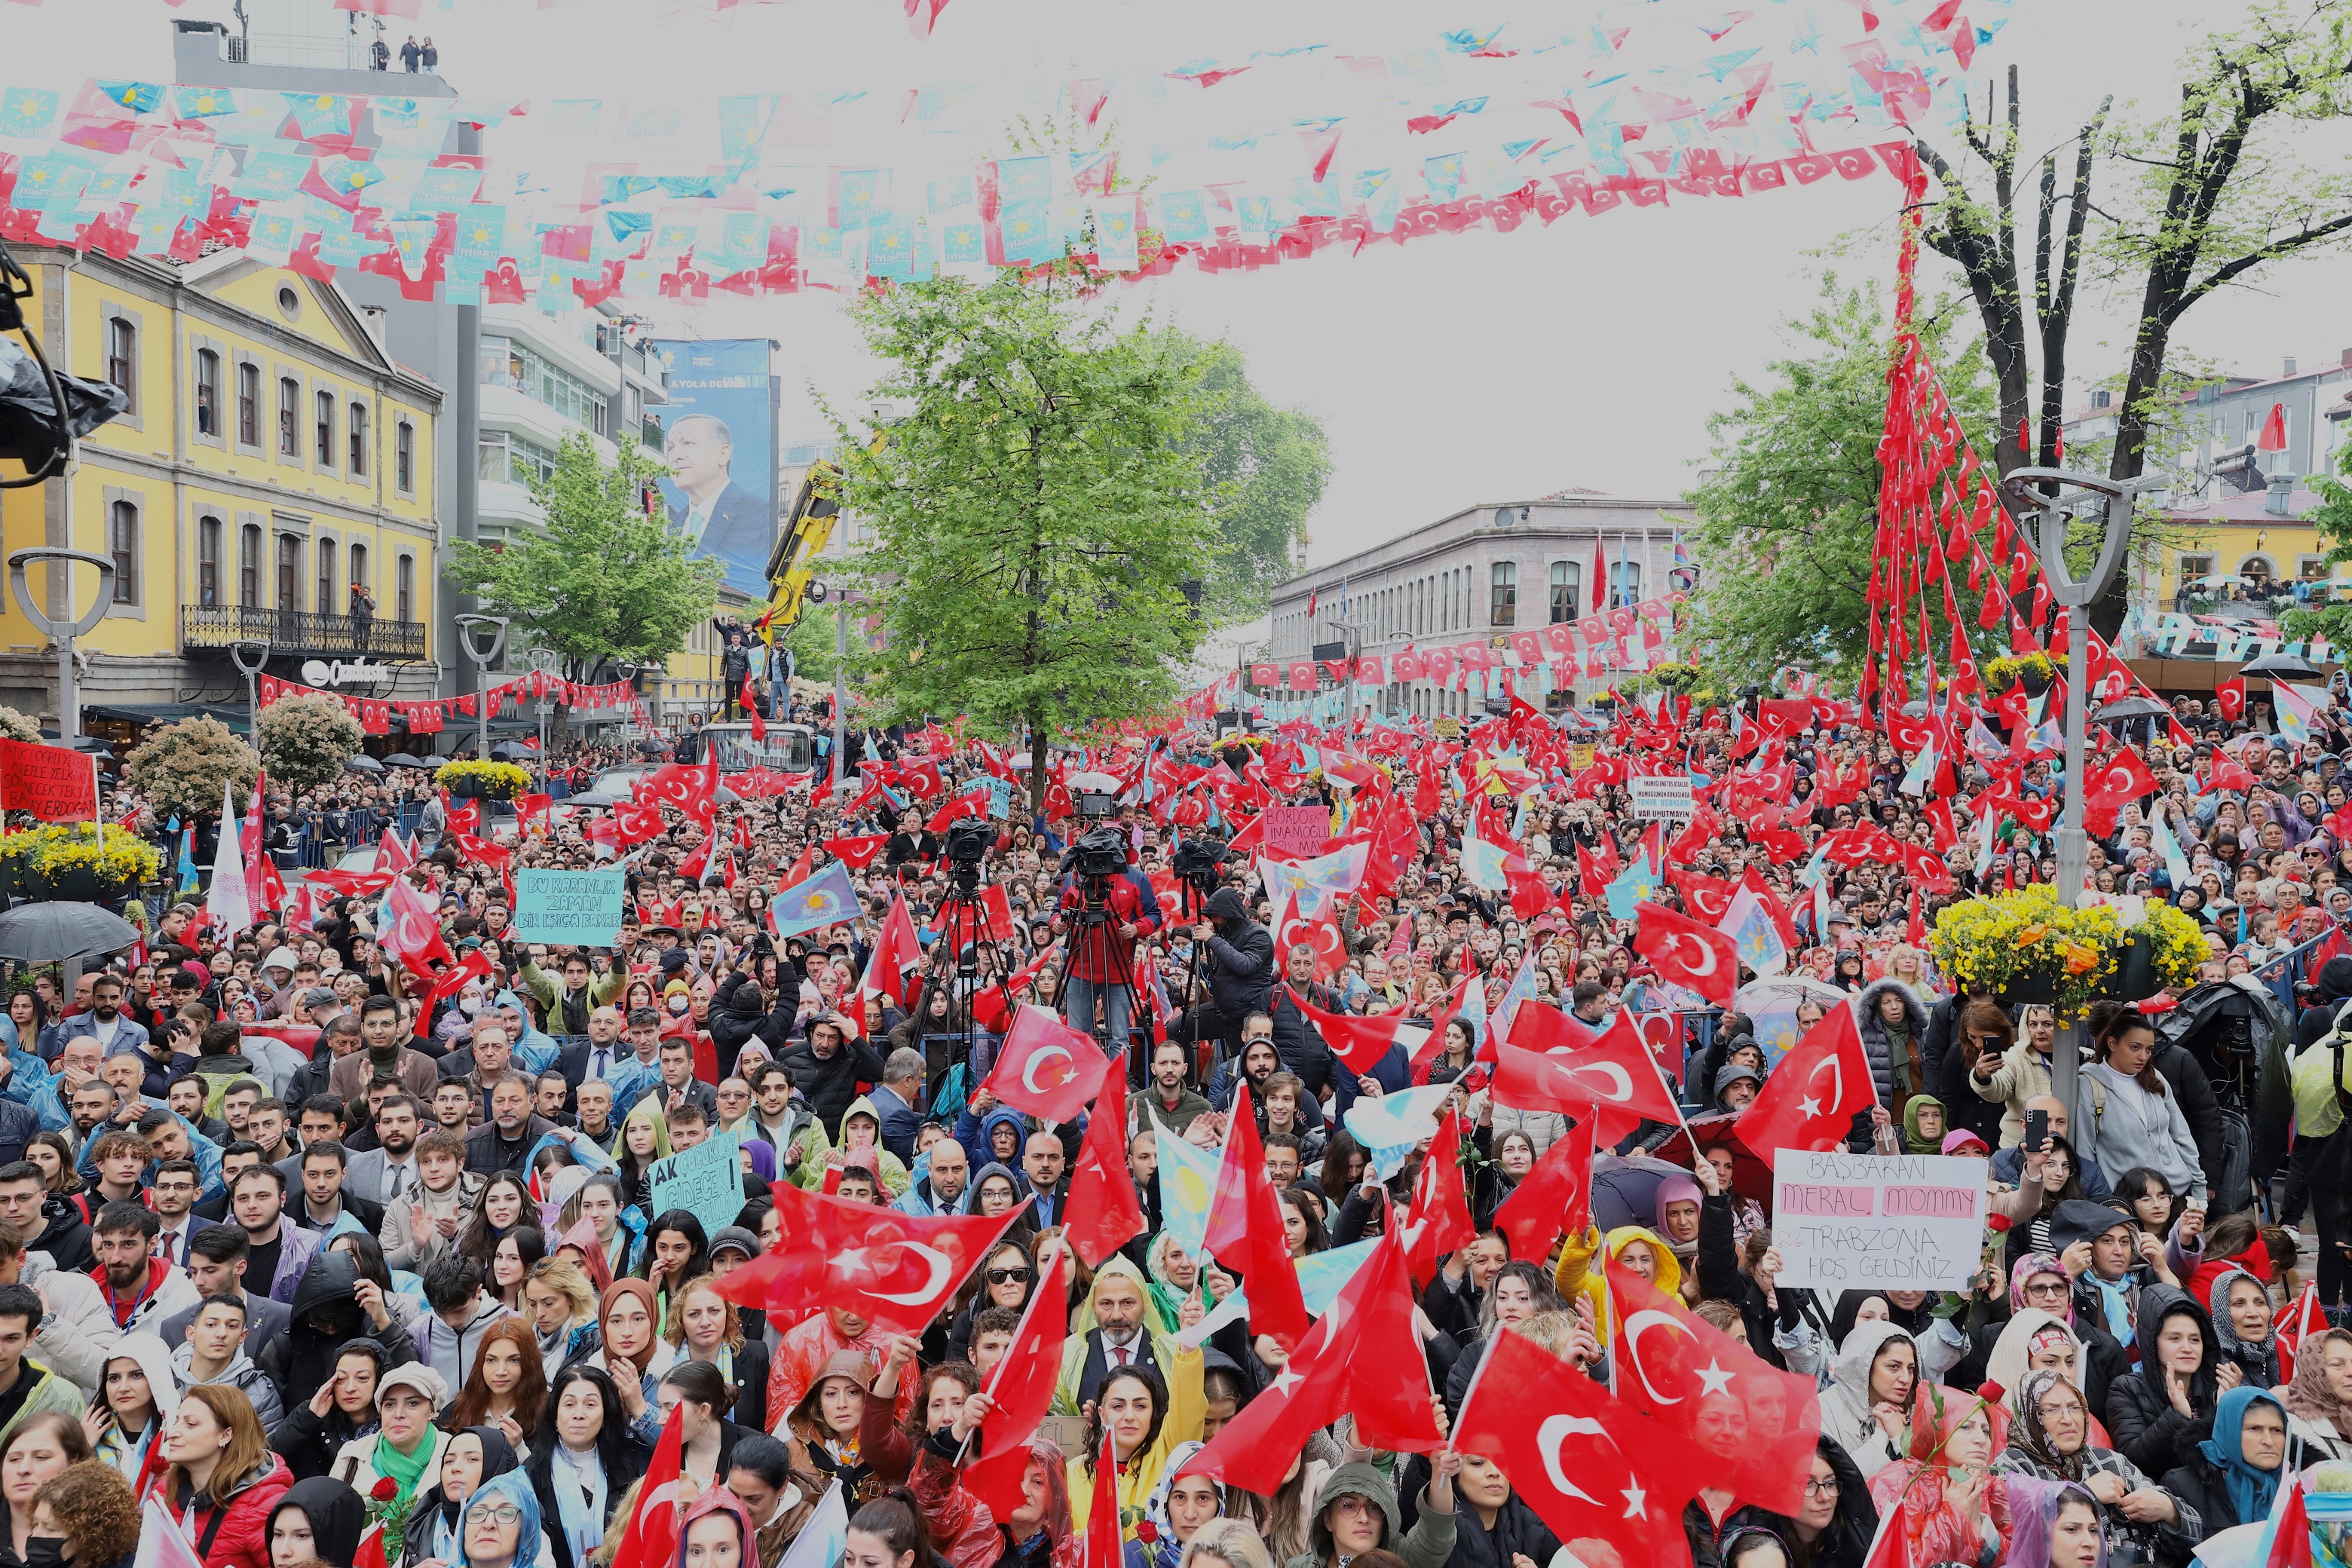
(1246, 1230)
(1553, 1197)
(897, 951)
(1811, 1100)
(1688, 953)
(652, 1534)
(894, 1269)
(1105, 1213)
(1021, 1391)
(1438, 1220)
(1045, 1067)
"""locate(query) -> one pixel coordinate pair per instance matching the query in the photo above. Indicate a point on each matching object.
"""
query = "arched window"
(1624, 584)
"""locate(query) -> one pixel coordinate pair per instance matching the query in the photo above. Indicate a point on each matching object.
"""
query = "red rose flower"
(1146, 1532)
(384, 1490)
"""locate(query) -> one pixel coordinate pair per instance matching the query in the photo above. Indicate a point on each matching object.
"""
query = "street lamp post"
(544, 661)
(2072, 495)
(469, 629)
(65, 628)
(258, 650)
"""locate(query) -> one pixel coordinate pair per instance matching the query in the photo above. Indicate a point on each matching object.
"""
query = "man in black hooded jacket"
(1236, 964)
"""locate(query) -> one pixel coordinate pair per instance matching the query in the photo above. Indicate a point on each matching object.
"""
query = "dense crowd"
(302, 1240)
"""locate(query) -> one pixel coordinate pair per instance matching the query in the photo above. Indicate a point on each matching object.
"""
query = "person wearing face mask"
(85, 1516)
(2232, 1476)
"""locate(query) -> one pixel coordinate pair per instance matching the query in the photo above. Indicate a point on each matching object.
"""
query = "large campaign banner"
(718, 440)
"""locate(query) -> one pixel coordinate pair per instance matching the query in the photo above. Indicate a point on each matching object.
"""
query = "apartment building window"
(248, 406)
(507, 459)
(122, 357)
(208, 562)
(208, 393)
(405, 589)
(2194, 569)
(123, 544)
(510, 365)
(327, 583)
(290, 572)
(322, 448)
(404, 458)
(1566, 579)
(289, 415)
(359, 438)
(359, 573)
(1506, 605)
(249, 565)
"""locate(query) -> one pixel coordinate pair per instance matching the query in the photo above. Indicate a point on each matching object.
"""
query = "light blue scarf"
(580, 1501)
(2115, 1298)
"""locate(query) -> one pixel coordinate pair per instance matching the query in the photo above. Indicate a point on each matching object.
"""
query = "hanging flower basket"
(483, 781)
(2025, 946)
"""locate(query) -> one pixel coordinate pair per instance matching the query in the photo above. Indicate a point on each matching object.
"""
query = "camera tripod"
(1094, 915)
(963, 920)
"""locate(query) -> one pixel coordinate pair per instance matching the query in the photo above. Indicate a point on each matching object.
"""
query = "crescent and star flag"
(1360, 1042)
(651, 1533)
(1550, 1065)
(1553, 1197)
(1572, 1453)
(895, 1270)
(1105, 1212)
(897, 949)
(859, 852)
(1438, 1221)
(1021, 1393)
(1361, 1358)
(1245, 1231)
(1811, 1100)
(820, 900)
(1045, 1067)
(1689, 954)
(2230, 696)
(1753, 1425)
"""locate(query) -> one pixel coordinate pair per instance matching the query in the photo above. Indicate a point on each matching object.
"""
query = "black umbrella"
(2272, 665)
(361, 763)
(514, 751)
(591, 798)
(58, 929)
(1625, 1191)
(406, 760)
(2125, 708)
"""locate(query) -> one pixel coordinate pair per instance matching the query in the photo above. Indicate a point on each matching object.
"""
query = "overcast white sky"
(1461, 369)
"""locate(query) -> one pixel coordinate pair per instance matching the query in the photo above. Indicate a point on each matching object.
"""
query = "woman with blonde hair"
(561, 1306)
(704, 1326)
(1225, 1543)
(220, 1478)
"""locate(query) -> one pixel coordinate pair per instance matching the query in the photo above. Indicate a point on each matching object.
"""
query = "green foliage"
(183, 767)
(305, 740)
(1789, 512)
(1264, 469)
(603, 579)
(2333, 518)
(1032, 510)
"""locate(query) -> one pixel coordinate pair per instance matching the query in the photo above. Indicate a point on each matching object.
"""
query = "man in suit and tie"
(172, 1196)
(599, 1054)
(217, 1268)
(717, 517)
(1118, 1339)
(388, 1170)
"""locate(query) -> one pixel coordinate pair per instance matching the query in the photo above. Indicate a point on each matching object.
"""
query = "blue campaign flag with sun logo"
(818, 900)
(1187, 1182)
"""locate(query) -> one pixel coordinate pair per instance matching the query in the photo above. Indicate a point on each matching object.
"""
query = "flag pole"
(1051, 1260)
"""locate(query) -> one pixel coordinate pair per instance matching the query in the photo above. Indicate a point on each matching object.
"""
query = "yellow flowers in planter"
(2026, 941)
(493, 781)
(2176, 949)
(115, 857)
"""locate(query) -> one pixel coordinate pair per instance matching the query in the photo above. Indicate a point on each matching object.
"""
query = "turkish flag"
(1100, 1546)
(1570, 1074)
(652, 1532)
(859, 852)
(1105, 1213)
(1688, 953)
(1362, 1358)
(1045, 1067)
(636, 821)
(2229, 773)
(1020, 1394)
(1245, 1231)
(2230, 697)
(896, 1270)
(1360, 1042)
(1570, 1452)
(2124, 777)
(1708, 897)
(2296, 1324)
(1810, 1100)
(1438, 1221)
(897, 949)
(690, 788)
(1553, 1197)
(1755, 1425)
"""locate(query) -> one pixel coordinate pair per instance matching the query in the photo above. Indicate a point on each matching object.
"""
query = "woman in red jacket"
(219, 1479)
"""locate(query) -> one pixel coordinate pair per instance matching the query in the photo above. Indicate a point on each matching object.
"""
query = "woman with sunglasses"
(1004, 1279)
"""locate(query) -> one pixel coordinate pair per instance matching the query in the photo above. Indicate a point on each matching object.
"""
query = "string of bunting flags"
(1629, 636)
(375, 714)
(1232, 163)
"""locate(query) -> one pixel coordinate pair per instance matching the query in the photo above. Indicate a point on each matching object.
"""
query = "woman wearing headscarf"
(2231, 1477)
(1175, 1272)
(1923, 1125)
(2050, 1440)
(2241, 1308)
(499, 1526)
(474, 1455)
(2035, 1341)
(2041, 1280)
(627, 1344)
(138, 1397)
(1677, 1205)
(331, 1511)
(1867, 1405)
(1954, 1508)
(2055, 1524)
(715, 1521)
(1175, 1512)
(2319, 1397)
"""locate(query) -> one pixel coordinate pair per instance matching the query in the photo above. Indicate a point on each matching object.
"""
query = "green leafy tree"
(1788, 510)
(1034, 514)
(603, 580)
(1265, 468)
(2333, 518)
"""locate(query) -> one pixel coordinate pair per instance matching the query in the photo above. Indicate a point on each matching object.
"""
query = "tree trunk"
(1036, 722)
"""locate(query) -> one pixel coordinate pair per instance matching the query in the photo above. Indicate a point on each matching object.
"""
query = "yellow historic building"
(271, 482)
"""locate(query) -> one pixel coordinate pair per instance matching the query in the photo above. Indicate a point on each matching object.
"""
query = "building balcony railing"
(213, 628)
